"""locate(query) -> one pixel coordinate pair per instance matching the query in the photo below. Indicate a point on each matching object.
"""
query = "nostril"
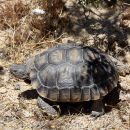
(14, 71)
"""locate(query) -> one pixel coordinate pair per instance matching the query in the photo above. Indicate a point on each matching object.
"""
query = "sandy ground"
(24, 113)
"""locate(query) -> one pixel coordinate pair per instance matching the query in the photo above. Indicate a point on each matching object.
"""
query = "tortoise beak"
(19, 71)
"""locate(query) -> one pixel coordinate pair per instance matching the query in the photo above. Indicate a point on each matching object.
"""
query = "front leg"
(97, 108)
(47, 108)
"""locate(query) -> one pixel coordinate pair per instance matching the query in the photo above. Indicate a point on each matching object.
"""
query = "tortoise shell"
(72, 73)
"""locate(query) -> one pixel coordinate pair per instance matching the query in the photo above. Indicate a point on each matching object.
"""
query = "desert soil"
(18, 113)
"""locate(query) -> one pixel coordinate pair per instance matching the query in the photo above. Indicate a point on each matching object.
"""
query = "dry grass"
(11, 14)
(26, 31)
(13, 19)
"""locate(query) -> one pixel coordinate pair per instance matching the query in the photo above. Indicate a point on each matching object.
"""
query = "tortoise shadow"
(29, 94)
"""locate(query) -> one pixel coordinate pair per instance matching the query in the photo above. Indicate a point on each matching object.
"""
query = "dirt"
(22, 113)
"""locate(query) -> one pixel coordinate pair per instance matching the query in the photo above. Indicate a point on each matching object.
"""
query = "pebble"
(3, 90)
(67, 39)
(38, 11)
(27, 114)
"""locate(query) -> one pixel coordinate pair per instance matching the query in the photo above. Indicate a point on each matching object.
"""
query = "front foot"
(97, 108)
(47, 108)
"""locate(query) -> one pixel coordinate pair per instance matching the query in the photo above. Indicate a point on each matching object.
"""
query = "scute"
(57, 56)
(95, 93)
(66, 75)
(76, 94)
(33, 75)
(65, 95)
(90, 54)
(86, 95)
(71, 73)
(40, 60)
(83, 75)
(75, 55)
(53, 94)
(43, 91)
(47, 76)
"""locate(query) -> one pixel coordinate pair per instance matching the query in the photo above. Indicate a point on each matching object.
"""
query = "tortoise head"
(19, 71)
(22, 71)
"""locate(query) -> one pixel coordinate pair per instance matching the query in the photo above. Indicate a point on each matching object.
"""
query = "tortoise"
(70, 73)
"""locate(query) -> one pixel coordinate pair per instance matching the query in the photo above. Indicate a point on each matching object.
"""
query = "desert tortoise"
(70, 73)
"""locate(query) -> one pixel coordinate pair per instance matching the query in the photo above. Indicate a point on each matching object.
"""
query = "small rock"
(67, 39)
(3, 90)
(27, 114)
(17, 86)
(38, 11)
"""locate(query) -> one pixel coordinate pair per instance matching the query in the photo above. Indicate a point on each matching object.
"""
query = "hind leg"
(98, 108)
